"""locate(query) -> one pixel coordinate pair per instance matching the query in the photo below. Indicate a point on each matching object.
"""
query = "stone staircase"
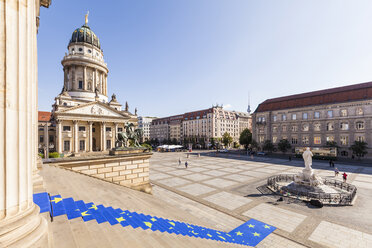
(117, 221)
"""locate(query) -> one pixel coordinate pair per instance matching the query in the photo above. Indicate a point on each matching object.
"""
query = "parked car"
(261, 154)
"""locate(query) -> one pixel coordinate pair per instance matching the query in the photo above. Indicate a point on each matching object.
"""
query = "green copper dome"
(85, 34)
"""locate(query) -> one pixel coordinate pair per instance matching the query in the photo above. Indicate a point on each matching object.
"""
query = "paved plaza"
(224, 189)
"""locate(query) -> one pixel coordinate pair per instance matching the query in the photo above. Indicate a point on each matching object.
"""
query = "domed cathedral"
(86, 120)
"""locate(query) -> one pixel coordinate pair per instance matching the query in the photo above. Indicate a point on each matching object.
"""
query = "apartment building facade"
(342, 115)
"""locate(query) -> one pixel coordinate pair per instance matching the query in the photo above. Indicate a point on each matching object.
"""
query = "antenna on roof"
(249, 103)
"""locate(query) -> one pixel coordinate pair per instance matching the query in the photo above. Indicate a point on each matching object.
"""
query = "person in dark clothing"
(290, 158)
(330, 163)
(186, 164)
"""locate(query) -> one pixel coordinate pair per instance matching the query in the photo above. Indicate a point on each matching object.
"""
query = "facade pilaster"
(20, 222)
(115, 134)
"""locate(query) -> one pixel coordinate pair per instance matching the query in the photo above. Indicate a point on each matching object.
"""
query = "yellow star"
(56, 200)
(84, 213)
(148, 224)
(267, 227)
(256, 234)
(209, 235)
(153, 219)
(239, 234)
(120, 219)
(94, 207)
(194, 232)
(172, 223)
(251, 226)
(222, 237)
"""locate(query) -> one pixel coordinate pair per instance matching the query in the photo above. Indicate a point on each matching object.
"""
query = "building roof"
(44, 116)
(194, 114)
(354, 92)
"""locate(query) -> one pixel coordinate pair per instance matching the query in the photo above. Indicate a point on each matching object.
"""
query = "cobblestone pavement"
(228, 183)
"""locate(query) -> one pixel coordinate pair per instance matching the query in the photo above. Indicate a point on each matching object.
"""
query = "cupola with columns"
(85, 71)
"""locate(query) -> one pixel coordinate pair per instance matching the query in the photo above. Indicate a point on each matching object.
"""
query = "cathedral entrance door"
(96, 139)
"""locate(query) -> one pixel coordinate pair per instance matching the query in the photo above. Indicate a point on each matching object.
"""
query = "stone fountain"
(306, 185)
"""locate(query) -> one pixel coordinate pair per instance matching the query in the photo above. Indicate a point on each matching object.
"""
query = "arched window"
(330, 126)
(359, 125)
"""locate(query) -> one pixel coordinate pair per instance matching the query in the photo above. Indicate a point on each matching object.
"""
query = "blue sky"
(168, 57)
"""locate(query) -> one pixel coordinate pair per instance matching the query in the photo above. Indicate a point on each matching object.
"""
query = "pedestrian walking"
(186, 164)
(330, 163)
(290, 158)
(179, 161)
(344, 177)
(333, 164)
(336, 172)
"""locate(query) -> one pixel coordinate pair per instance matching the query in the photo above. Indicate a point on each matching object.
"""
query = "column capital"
(90, 123)
(75, 122)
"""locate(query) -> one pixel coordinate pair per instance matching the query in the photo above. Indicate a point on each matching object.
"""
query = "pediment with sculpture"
(95, 109)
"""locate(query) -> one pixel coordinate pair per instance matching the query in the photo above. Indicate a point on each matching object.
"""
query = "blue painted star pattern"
(250, 233)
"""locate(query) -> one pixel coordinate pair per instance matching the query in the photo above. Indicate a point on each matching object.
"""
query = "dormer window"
(89, 51)
(80, 49)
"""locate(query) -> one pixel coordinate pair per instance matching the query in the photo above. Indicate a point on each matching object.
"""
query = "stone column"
(95, 79)
(85, 87)
(65, 82)
(75, 137)
(90, 134)
(46, 139)
(103, 136)
(115, 133)
(20, 222)
(59, 136)
(101, 83)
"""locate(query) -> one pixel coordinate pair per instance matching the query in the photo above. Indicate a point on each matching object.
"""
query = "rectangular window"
(330, 113)
(360, 125)
(294, 116)
(330, 138)
(120, 129)
(284, 128)
(81, 128)
(66, 146)
(294, 141)
(317, 140)
(316, 115)
(51, 138)
(360, 138)
(344, 126)
(294, 128)
(305, 140)
(80, 84)
(82, 145)
(274, 118)
(108, 144)
(275, 139)
(41, 140)
(344, 112)
(304, 116)
(93, 129)
(284, 117)
(275, 129)
(66, 128)
(108, 129)
(344, 140)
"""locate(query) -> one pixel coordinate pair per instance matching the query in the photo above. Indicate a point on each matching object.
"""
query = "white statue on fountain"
(307, 176)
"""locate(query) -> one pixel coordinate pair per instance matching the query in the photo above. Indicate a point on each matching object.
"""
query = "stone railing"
(326, 198)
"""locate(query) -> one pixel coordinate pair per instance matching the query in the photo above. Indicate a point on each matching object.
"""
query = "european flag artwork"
(249, 234)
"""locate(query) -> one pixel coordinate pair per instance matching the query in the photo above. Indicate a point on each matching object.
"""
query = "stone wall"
(131, 171)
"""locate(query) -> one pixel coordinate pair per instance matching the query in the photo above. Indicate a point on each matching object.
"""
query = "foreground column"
(20, 222)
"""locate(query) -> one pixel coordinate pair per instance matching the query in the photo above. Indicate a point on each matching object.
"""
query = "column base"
(26, 229)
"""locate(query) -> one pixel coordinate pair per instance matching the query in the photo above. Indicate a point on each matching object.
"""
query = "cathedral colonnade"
(78, 136)
(20, 222)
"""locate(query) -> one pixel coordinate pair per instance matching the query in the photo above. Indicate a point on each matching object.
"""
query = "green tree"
(268, 146)
(174, 141)
(227, 139)
(284, 145)
(255, 145)
(245, 138)
(359, 148)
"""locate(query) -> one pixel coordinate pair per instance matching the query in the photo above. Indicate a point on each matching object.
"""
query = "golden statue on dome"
(86, 18)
